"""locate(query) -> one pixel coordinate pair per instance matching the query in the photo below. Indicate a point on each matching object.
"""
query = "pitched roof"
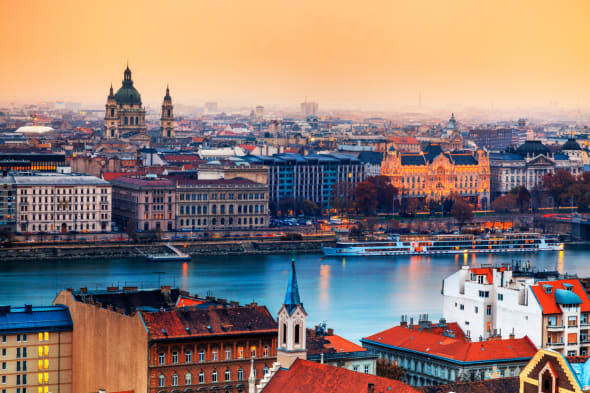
(310, 377)
(455, 349)
(195, 322)
(550, 294)
(498, 385)
(333, 343)
(292, 299)
(413, 159)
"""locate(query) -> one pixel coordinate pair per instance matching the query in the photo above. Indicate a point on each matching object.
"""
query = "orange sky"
(364, 54)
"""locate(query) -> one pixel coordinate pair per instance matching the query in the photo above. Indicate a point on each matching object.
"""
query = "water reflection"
(357, 296)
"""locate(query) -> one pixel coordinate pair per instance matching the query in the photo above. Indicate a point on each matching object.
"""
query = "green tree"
(505, 203)
(310, 208)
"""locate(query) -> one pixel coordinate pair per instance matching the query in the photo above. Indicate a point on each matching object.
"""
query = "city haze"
(385, 55)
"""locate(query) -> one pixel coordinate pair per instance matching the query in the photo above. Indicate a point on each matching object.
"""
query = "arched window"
(222, 221)
(240, 374)
(214, 376)
(227, 375)
(297, 333)
(214, 221)
(231, 208)
(161, 381)
(222, 209)
(284, 333)
(214, 209)
(201, 377)
(188, 379)
(175, 380)
(168, 112)
(112, 112)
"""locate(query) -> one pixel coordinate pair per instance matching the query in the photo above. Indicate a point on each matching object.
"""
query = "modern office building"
(312, 177)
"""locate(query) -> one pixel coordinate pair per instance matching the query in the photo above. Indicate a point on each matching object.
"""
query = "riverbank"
(102, 251)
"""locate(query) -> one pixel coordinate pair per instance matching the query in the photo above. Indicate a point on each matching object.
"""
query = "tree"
(410, 206)
(505, 203)
(309, 207)
(523, 197)
(434, 206)
(462, 212)
(365, 197)
(386, 192)
(558, 184)
(131, 229)
(389, 370)
(287, 206)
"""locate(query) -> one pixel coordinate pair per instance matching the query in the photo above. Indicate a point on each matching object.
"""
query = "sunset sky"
(354, 54)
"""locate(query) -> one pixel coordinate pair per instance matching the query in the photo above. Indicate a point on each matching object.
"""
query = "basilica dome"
(127, 94)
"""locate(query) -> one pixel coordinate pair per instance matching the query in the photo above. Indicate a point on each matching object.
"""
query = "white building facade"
(62, 204)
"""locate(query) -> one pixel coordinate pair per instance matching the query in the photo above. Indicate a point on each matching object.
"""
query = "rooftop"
(550, 294)
(196, 322)
(443, 342)
(58, 180)
(498, 385)
(33, 319)
(310, 377)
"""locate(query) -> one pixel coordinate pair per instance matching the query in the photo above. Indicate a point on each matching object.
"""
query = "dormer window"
(548, 289)
(480, 279)
(568, 287)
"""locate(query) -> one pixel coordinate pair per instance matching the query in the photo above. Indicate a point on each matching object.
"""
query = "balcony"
(555, 345)
(555, 328)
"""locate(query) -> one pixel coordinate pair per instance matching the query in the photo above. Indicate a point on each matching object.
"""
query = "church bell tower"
(291, 318)
(111, 119)
(167, 119)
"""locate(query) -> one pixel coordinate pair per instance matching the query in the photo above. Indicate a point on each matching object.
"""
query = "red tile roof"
(187, 301)
(453, 348)
(310, 377)
(547, 300)
(329, 344)
(488, 272)
(194, 322)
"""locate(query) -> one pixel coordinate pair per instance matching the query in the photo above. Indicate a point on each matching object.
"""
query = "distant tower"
(167, 119)
(111, 118)
(292, 316)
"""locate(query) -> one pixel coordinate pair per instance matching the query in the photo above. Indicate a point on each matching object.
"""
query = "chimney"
(130, 289)
(330, 332)
(371, 388)
(112, 289)
(322, 358)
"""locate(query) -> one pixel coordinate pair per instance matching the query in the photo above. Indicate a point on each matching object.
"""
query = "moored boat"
(447, 244)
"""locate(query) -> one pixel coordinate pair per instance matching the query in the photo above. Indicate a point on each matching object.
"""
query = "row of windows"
(188, 379)
(230, 209)
(188, 355)
(230, 221)
(62, 191)
(230, 196)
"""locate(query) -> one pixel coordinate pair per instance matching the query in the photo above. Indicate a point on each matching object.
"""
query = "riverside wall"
(35, 252)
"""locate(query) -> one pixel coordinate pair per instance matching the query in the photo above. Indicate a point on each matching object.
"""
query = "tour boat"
(447, 244)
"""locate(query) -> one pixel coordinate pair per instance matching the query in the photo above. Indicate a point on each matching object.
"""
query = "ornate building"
(532, 160)
(167, 119)
(124, 113)
(434, 173)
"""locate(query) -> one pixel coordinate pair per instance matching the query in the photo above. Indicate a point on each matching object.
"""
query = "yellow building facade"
(434, 174)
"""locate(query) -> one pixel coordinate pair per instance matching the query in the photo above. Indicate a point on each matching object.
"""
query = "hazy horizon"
(378, 55)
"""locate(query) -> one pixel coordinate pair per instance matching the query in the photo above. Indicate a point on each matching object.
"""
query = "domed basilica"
(125, 115)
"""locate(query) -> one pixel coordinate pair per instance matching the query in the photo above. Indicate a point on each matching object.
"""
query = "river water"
(355, 296)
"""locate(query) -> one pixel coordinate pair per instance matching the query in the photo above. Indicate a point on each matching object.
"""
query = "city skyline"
(387, 56)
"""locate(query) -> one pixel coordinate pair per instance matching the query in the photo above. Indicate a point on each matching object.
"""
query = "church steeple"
(292, 299)
(127, 81)
(292, 319)
(111, 94)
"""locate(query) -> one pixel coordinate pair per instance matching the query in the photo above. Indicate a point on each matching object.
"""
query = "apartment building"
(440, 353)
(61, 203)
(164, 340)
(499, 302)
(35, 349)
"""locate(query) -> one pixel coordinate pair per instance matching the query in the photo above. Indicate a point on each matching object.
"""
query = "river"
(355, 296)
